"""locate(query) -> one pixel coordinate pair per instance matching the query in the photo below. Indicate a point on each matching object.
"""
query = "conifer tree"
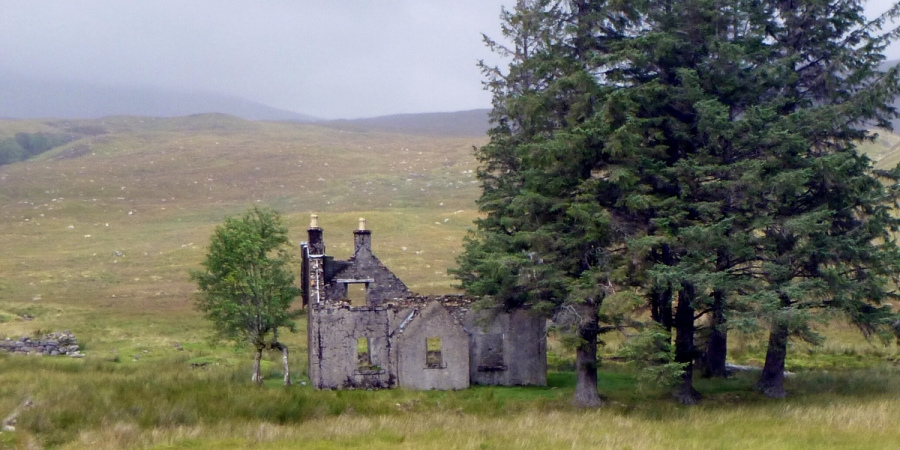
(544, 243)
(822, 220)
(768, 114)
(699, 151)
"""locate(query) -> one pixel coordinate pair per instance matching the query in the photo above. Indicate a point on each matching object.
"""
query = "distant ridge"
(461, 123)
(23, 98)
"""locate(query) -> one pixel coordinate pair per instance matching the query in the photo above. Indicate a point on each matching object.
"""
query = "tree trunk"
(661, 307)
(717, 346)
(586, 394)
(771, 382)
(286, 369)
(257, 371)
(661, 297)
(684, 346)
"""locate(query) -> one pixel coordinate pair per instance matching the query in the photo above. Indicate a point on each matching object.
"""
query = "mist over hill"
(461, 123)
(27, 98)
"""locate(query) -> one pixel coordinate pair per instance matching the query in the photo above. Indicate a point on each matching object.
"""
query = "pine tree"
(823, 222)
(544, 243)
(773, 203)
(698, 151)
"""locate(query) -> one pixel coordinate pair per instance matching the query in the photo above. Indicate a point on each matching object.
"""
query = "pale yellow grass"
(862, 425)
(153, 189)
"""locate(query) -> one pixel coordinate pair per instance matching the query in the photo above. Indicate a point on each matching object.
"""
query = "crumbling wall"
(333, 359)
(51, 344)
(507, 348)
(487, 347)
(483, 347)
(416, 368)
(384, 285)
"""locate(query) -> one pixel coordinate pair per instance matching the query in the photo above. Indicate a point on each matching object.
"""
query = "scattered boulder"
(9, 423)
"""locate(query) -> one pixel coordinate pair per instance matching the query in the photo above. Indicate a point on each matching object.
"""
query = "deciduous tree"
(247, 288)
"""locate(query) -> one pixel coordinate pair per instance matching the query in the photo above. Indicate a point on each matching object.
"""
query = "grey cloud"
(334, 59)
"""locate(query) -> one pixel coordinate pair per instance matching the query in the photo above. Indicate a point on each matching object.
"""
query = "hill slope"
(885, 151)
(151, 189)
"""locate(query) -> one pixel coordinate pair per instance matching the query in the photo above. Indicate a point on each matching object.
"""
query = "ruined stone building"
(367, 330)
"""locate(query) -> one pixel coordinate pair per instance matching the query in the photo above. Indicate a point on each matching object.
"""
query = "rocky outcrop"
(61, 343)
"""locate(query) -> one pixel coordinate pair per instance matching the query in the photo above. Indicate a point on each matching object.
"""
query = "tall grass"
(100, 405)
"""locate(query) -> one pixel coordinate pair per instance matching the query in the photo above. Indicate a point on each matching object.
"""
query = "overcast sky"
(326, 58)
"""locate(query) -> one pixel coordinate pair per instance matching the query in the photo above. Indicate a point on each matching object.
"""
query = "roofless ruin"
(367, 330)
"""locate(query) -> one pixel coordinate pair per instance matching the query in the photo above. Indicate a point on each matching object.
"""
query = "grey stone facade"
(507, 349)
(394, 338)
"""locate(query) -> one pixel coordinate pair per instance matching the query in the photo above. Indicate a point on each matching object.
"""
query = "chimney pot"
(316, 240)
(362, 237)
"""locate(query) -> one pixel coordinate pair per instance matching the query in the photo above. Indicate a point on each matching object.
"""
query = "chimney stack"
(362, 237)
(316, 241)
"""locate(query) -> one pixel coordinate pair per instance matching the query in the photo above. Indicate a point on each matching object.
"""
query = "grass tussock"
(861, 425)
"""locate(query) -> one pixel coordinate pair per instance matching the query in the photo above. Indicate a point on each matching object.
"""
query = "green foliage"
(247, 288)
(652, 353)
(704, 151)
(549, 233)
(37, 143)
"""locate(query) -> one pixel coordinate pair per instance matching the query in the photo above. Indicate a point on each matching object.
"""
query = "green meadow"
(98, 236)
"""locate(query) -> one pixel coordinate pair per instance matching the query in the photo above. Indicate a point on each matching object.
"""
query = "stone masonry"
(52, 344)
(389, 337)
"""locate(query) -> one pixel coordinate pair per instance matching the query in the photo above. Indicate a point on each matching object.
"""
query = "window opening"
(356, 293)
(489, 348)
(433, 357)
(364, 355)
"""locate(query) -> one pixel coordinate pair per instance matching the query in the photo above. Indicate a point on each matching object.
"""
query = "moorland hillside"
(116, 217)
(125, 209)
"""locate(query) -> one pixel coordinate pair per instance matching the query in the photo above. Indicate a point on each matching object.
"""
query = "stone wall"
(507, 349)
(51, 344)
(395, 337)
(381, 285)
(334, 361)
(418, 367)
(487, 347)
